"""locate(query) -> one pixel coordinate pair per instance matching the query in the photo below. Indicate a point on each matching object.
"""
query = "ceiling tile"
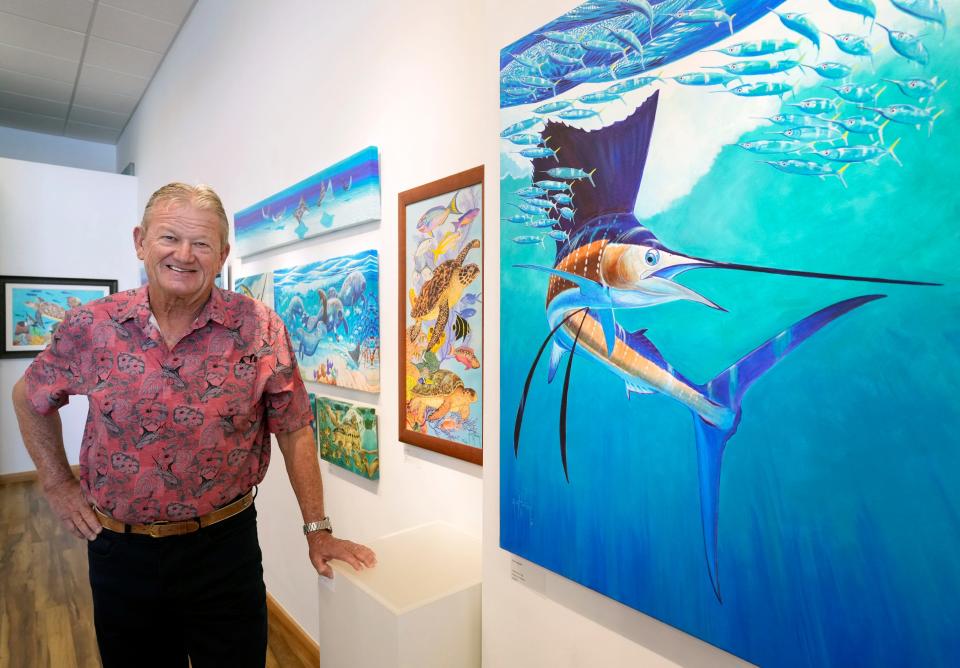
(92, 133)
(41, 37)
(171, 11)
(101, 99)
(121, 58)
(14, 82)
(32, 122)
(32, 105)
(70, 14)
(98, 79)
(132, 29)
(30, 62)
(107, 119)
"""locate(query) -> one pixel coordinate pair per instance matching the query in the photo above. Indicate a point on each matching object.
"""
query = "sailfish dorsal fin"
(616, 156)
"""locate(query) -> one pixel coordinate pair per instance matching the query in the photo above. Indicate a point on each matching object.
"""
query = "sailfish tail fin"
(727, 389)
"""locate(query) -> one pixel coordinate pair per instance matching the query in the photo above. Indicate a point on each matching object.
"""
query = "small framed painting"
(32, 307)
(347, 435)
(441, 322)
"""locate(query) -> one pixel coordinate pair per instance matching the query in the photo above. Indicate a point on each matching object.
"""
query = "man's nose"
(184, 252)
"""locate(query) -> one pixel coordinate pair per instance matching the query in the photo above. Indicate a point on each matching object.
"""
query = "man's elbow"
(21, 401)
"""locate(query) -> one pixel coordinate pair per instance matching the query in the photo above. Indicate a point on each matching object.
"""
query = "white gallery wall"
(256, 96)
(54, 150)
(65, 223)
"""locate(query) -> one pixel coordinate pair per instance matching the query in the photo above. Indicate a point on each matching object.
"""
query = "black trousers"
(157, 601)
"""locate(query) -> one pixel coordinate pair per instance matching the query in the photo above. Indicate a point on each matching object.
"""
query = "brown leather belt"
(164, 529)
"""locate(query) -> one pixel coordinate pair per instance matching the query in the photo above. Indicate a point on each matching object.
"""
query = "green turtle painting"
(442, 290)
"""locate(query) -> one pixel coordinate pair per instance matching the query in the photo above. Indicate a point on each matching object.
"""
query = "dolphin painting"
(606, 261)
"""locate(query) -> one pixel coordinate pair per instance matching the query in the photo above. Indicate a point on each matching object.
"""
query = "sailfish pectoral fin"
(609, 323)
(591, 290)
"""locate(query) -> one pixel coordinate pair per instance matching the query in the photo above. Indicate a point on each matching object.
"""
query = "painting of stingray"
(737, 412)
(332, 311)
(344, 194)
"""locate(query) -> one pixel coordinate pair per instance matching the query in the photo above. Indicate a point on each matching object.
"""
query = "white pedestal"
(419, 608)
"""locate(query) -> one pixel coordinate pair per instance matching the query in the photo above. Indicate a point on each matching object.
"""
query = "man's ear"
(138, 235)
(223, 255)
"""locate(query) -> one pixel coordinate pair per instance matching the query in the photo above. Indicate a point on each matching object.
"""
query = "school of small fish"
(822, 136)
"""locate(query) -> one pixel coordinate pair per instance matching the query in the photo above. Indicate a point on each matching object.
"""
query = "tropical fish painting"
(256, 286)
(442, 389)
(736, 410)
(331, 309)
(32, 311)
(347, 436)
(342, 195)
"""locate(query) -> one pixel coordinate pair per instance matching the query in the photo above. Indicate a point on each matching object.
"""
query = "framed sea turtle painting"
(441, 327)
(32, 307)
(331, 308)
(730, 299)
(347, 436)
(344, 194)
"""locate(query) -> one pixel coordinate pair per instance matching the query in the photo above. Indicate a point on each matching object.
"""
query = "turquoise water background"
(840, 502)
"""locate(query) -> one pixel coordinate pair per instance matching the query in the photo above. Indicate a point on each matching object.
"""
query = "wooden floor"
(46, 616)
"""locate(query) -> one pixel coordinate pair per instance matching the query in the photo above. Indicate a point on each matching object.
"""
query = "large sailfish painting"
(747, 450)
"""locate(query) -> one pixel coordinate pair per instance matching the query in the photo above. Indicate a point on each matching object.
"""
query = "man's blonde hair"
(200, 196)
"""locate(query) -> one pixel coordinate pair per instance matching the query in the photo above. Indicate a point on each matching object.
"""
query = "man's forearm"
(300, 457)
(43, 437)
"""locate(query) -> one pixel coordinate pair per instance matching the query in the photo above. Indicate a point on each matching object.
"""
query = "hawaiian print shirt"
(172, 434)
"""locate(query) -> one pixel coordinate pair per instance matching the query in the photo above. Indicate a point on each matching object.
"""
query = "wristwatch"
(322, 525)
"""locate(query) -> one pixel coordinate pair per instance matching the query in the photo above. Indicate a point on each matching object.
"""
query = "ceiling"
(78, 68)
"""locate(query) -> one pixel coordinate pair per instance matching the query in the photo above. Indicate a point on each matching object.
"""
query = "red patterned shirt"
(172, 434)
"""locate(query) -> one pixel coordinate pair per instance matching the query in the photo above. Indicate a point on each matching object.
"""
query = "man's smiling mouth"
(181, 271)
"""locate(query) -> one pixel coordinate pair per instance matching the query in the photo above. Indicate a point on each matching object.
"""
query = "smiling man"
(185, 382)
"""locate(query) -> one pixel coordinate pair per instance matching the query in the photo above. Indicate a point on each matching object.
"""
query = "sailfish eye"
(651, 257)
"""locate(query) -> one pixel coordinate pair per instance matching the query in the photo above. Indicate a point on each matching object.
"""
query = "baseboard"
(301, 643)
(26, 476)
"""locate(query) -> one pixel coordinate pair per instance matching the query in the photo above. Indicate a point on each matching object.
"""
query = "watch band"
(322, 525)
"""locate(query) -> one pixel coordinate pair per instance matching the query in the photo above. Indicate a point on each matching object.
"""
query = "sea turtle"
(445, 393)
(48, 309)
(440, 292)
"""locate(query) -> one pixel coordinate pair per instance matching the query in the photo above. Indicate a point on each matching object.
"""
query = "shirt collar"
(138, 308)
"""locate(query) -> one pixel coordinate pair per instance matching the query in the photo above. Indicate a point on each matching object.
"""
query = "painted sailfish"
(606, 260)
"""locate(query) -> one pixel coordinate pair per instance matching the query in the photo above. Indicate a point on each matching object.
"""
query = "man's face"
(181, 250)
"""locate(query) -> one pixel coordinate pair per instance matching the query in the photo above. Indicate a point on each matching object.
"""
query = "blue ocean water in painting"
(32, 323)
(839, 523)
(344, 194)
(331, 309)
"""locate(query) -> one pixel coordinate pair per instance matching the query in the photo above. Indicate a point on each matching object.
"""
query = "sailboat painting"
(342, 195)
(729, 306)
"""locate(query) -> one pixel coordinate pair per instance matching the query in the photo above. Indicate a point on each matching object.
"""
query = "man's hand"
(324, 547)
(67, 501)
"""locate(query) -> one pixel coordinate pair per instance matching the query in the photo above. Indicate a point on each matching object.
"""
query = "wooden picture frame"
(32, 306)
(440, 279)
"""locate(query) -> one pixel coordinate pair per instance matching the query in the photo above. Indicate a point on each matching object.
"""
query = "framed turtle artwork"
(31, 308)
(441, 329)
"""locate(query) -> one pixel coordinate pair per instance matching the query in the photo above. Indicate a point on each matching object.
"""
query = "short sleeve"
(286, 398)
(58, 371)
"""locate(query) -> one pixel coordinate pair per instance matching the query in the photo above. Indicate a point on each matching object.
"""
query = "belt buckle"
(155, 529)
